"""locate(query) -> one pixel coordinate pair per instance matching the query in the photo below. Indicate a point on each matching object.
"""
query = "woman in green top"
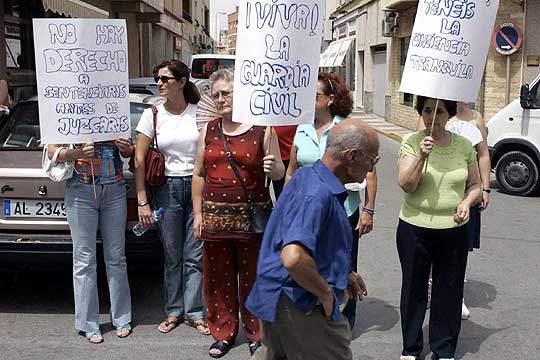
(439, 192)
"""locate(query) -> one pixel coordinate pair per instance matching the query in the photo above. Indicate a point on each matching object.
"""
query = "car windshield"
(203, 68)
(21, 128)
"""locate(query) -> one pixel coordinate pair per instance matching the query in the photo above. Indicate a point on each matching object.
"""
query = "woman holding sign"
(174, 129)
(333, 104)
(233, 160)
(470, 124)
(96, 200)
(439, 176)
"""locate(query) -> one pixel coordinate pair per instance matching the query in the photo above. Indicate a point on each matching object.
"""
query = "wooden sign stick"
(431, 130)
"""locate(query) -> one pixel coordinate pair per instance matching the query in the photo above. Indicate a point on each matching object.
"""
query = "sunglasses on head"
(164, 79)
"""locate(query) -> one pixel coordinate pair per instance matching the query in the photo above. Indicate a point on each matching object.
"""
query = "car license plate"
(34, 208)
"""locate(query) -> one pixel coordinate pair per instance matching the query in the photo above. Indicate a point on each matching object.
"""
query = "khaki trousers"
(297, 336)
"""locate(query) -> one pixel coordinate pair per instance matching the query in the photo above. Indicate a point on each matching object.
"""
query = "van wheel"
(517, 173)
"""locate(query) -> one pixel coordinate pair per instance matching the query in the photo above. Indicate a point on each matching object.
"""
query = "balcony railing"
(187, 16)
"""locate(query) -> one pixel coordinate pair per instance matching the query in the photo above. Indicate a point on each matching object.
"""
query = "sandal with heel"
(93, 337)
(223, 346)
(200, 325)
(124, 331)
(253, 346)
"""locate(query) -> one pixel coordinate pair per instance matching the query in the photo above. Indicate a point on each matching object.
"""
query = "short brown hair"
(180, 70)
(451, 105)
(333, 85)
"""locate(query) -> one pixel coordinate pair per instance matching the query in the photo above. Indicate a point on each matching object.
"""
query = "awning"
(75, 9)
(335, 53)
(399, 5)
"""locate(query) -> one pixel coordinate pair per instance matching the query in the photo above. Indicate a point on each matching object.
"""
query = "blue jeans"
(108, 212)
(183, 251)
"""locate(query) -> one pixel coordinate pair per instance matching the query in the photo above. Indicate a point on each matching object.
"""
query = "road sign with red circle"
(507, 38)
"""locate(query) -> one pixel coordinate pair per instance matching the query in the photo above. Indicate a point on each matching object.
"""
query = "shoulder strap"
(56, 153)
(233, 164)
(154, 117)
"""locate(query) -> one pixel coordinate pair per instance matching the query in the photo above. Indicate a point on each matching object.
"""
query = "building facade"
(369, 39)
(157, 30)
(523, 64)
(363, 55)
(232, 21)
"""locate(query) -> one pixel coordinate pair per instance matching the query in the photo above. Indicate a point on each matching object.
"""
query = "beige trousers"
(297, 336)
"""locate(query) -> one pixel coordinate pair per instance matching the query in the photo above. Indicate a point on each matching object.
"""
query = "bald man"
(304, 267)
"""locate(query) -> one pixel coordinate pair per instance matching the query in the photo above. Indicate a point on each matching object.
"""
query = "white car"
(33, 226)
(514, 142)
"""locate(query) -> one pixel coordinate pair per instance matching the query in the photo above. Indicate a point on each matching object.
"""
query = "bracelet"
(487, 190)
(142, 203)
(368, 210)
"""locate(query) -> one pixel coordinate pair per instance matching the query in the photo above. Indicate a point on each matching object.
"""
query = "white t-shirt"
(177, 137)
(466, 129)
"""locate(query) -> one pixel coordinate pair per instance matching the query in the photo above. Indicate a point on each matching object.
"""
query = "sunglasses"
(164, 79)
(373, 159)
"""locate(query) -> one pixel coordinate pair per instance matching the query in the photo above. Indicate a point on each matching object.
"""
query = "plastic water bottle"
(140, 229)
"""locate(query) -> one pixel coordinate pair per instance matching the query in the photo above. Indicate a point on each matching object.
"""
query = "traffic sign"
(507, 38)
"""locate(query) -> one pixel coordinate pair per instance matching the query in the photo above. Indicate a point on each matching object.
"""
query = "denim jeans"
(183, 251)
(85, 215)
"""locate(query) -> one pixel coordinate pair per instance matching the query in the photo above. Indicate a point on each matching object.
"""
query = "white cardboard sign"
(82, 78)
(448, 48)
(277, 61)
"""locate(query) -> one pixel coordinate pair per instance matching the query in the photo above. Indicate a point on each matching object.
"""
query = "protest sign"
(448, 48)
(82, 79)
(277, 61)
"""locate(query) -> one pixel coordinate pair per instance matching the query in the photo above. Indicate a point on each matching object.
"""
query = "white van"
(203, 65)
(514, 142)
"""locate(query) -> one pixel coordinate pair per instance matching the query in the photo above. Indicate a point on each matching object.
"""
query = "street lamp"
(216, 23)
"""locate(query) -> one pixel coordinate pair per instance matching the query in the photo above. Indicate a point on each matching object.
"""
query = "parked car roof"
(147, 85)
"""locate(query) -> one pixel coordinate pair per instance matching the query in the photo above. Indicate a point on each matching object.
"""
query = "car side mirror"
(524, 98)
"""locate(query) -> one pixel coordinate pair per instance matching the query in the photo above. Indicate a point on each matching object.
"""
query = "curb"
(391, 135)
(395, 136)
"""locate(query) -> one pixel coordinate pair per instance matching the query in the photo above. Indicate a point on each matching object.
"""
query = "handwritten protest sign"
(82, 78)
(277, 61)
(448, 48)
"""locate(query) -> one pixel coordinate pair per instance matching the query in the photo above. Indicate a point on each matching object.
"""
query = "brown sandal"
(168, 325)
(200, 325)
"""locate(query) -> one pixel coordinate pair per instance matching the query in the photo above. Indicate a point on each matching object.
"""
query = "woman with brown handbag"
(233, 160)
(170, 130)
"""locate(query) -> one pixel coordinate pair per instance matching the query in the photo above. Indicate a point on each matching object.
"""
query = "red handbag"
(155, 159)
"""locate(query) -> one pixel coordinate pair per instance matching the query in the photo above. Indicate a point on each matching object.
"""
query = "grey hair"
(347, 139)
(221, 74)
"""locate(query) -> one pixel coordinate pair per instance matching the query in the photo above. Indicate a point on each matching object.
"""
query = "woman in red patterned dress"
(221, 216)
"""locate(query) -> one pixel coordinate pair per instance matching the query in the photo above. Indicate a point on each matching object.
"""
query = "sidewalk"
(380, 125)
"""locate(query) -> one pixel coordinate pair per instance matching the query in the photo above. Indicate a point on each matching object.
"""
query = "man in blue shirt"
(303, 270)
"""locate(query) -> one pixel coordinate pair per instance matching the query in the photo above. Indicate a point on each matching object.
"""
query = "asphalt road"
(36, 307)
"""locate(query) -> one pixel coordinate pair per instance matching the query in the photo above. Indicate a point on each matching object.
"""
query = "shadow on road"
(51, 292)
(471, 337)
(374, 314)
(479, 294)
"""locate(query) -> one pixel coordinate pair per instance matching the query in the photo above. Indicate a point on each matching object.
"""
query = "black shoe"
(253, 346)
(223, 346)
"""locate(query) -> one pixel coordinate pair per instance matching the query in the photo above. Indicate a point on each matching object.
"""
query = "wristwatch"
(142, 203)
(487, 190)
